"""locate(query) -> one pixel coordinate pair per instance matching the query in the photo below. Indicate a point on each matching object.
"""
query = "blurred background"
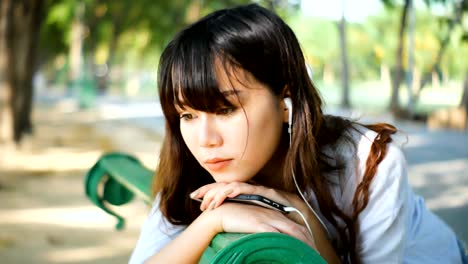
(78, 79)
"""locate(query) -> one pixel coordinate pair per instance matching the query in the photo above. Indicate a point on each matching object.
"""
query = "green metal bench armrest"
(120, 176)
(259, 248)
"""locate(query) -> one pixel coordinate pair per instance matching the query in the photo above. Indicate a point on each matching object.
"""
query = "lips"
(217, 164)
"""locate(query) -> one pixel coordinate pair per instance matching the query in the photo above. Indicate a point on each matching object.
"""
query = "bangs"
(190, 65)
(193, 76)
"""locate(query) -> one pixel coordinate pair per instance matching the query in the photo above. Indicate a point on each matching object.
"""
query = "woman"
(224, 85)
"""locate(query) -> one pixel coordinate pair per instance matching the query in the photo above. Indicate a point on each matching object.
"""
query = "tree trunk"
(345, 102)
(76, 48)
(20, 40)
(464, 99)
(410, 70)
(117, 21)
(104, 80)
(398, 75)
(6, 116)
(91, 42)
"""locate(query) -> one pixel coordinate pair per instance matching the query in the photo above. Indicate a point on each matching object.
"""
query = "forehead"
(227, 82)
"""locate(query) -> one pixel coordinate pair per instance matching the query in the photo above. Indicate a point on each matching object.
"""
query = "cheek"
(184, 134)
(189, 138)
(264, 137)
(266, 126)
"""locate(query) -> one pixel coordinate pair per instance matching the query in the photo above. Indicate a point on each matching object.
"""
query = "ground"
(46, 218)
(44, 214)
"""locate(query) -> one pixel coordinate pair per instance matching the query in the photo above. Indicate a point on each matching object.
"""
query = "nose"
(209, 134)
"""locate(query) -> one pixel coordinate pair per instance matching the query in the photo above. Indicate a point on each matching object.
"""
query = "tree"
(345, 102)
(464, 99)
(463, 8)
(76, 43)
(451, 22)
(410, 71)
(459, 7)
(394, 105)
(19, 33)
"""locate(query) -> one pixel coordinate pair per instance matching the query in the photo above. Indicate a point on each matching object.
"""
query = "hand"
(214, 194)
(243, 218)
(268, 220)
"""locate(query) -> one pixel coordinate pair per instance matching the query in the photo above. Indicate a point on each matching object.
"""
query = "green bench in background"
(116, 178)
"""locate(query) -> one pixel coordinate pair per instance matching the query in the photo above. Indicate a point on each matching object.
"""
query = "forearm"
(189, 246)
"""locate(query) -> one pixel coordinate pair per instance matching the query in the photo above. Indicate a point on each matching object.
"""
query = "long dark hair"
(258, 41)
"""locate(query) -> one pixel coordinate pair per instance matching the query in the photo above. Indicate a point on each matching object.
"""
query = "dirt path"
(44, 214)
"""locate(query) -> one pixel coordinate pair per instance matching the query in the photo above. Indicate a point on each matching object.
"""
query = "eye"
(225, 111)
(186, 116)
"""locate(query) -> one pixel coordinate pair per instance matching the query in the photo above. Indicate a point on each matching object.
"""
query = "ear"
(286, 110)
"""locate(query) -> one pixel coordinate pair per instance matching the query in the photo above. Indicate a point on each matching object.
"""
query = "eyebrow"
(228, 93)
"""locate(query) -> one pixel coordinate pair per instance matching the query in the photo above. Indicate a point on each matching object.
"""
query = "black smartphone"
(259, 200)
(256, 199)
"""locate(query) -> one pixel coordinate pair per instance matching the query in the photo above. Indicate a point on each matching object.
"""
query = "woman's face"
(234, 144)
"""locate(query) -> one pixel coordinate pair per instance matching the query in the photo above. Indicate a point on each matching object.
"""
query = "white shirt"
(156, 232)
(395, 226)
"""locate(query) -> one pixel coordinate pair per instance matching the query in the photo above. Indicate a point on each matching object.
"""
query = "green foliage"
(55, 28)
(319, 41)
(127, 30)
(130, 35)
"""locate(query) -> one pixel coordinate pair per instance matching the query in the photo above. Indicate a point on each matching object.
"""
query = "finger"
(229, 190)
(211, 206)
(210, 194)
(241, 188)
(245, 188)
(220, 191)
(221, 196)
(200, 192)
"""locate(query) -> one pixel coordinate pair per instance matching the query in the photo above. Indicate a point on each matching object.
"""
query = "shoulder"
(363, 138)
(390, 179)
(352, 152)
(383, 221)
(353, 149)
(155, 233)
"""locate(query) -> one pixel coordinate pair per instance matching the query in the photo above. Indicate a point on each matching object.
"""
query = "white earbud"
(288, 103)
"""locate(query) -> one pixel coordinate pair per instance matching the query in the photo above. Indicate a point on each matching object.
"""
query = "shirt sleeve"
(155, 233)
(383, 223)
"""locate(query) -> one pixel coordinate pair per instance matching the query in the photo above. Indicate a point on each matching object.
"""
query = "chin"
(229, 177)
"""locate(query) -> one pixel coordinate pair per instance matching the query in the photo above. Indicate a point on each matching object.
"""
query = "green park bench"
(117, 178)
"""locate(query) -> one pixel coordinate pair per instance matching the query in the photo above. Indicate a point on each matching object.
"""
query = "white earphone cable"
(292, 209)
(300, 192)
